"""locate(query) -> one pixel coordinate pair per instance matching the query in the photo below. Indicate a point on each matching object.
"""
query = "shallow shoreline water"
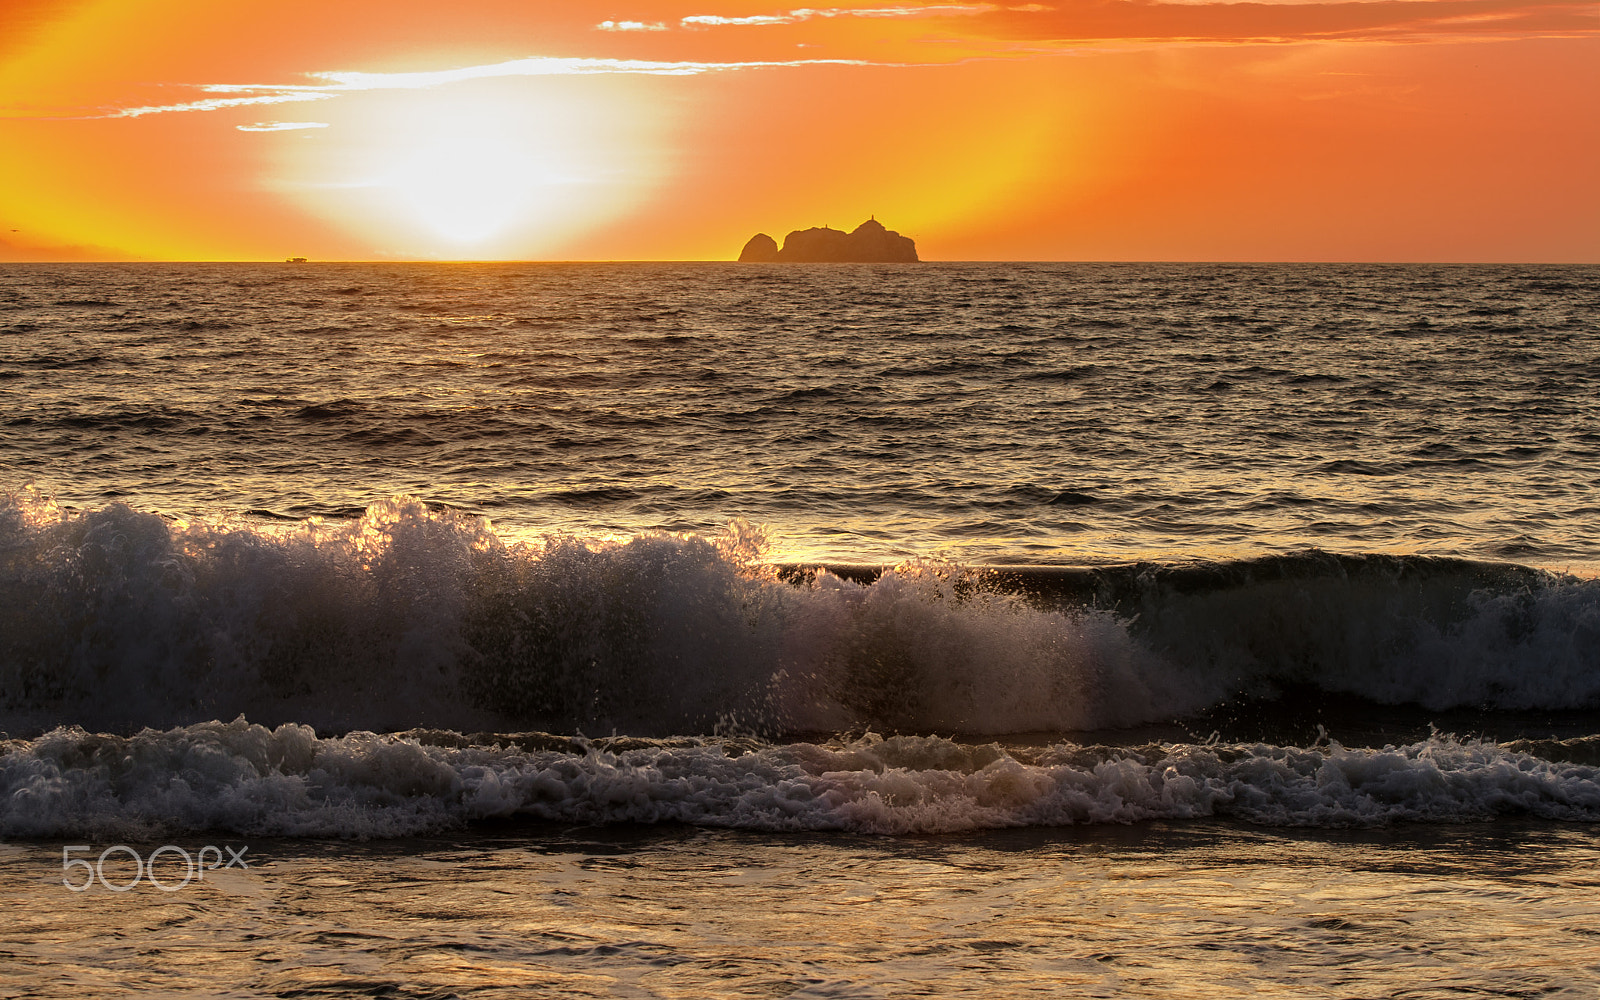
(1152, 910)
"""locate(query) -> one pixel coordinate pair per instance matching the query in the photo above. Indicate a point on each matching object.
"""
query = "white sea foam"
(250, 780)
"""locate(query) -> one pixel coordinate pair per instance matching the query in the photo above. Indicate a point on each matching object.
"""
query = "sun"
(467, 185)
(483, 169)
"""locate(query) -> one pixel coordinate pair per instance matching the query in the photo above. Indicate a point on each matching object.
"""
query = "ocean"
(791, 630)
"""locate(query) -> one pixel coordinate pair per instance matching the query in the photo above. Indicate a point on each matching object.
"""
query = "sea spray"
(412, 616)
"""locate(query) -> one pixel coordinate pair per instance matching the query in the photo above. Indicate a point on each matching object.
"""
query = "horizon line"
(722, 260)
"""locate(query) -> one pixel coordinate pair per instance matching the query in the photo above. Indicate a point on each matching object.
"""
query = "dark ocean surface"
(589, 588)
(1037, 413)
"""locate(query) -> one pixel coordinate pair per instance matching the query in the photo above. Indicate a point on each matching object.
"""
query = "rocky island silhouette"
(868, 243)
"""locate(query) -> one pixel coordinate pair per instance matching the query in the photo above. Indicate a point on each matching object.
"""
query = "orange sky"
(640, 129)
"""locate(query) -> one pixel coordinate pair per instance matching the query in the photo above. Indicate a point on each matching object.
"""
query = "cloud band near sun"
(345, 82)
(986, 30)
(1200, 20)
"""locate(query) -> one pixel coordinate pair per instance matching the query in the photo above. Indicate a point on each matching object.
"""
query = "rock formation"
(868, 243)
(760, 249)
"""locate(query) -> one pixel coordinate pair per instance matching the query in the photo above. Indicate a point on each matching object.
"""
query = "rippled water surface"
(986, 412)
(1190, 912)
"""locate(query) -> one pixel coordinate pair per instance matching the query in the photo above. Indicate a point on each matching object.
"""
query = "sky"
(1324, 130)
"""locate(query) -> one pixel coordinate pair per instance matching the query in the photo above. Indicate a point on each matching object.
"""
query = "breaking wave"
(114, 619)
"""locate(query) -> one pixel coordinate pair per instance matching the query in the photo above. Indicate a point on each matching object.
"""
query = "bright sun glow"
(488, 169)
(471, 183)
(468, 188)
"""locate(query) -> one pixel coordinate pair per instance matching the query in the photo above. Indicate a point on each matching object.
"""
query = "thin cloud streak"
(1277, 21)
(807, 13)
(279, 126)
(1241, 21)
(716, 21)
(214, 104)
(348, 82)
(1060, 29)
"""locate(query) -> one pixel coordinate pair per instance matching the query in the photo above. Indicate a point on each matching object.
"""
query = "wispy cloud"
(279, 126)
(1265, 21)
(807, 13)
(216, 103)
(1212, 21)
(1045, 27)
(339, 83)
(713, 20)
(346, 82)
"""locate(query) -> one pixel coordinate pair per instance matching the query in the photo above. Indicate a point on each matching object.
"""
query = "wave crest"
(412, 616)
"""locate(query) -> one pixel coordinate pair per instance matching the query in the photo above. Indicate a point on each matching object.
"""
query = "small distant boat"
(294, 260)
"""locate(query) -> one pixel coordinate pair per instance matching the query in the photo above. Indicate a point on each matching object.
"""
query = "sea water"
(835, 630)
